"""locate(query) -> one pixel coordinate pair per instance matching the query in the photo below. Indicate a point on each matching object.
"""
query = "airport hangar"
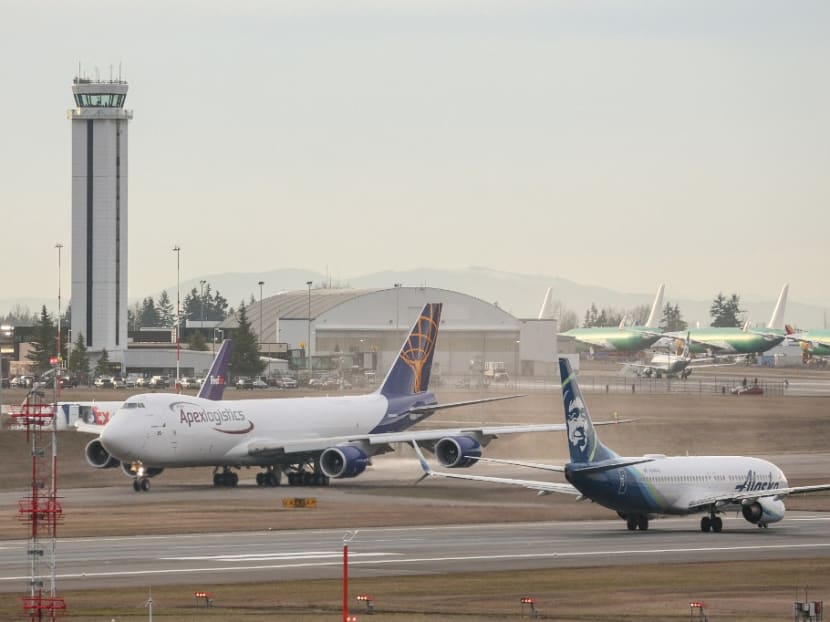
(377, 321)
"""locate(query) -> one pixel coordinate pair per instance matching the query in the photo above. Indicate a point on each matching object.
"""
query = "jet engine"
(457, 451)
(99, 457)
(343, 461)
(763, 511)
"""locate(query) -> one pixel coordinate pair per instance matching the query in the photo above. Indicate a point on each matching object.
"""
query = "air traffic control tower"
(99, 215)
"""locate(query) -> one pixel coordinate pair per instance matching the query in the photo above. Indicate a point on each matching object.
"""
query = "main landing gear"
(638, 521)
(712, 522)
(225, 478)
(271, 477)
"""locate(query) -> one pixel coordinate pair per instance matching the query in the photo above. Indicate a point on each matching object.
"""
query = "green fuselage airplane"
(817, 342)
(735, 340)
(623, 338)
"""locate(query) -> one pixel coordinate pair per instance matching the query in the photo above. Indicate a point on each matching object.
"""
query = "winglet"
(213, 386)
(424, 464)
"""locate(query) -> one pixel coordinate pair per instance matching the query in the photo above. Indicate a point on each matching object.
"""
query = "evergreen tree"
(245, 359)
(103, 365)
(217, 307)
(591, 316)
(149, 314)
(166, 311)
(725, 311)
(197, 341)
(78, 364)
(44, 342)
(567, 320)
(672, 319)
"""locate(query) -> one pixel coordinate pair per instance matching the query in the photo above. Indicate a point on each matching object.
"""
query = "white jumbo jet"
(311, 439)
(642, 488)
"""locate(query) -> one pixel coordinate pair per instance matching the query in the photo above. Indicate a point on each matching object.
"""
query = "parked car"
(132, 380)
(285, 382)
(243, 382)
(188, 382)
(259, 383)
(103, 382)
(22, 382)
(118, 383)
(158, 382)
(142, 381)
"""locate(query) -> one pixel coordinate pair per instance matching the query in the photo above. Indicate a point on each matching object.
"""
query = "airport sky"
(616, 143)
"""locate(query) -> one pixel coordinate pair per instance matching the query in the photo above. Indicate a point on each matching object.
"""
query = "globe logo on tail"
(417, 351)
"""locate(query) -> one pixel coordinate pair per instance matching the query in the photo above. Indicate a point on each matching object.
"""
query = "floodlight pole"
(177, 249)
(58, 371)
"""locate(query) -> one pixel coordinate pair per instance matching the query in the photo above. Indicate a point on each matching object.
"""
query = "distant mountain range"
(519, 294)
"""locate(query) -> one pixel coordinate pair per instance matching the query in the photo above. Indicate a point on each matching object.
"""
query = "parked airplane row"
(718, 340)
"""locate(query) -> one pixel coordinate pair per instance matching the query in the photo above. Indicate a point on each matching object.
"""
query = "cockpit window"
(133, 405)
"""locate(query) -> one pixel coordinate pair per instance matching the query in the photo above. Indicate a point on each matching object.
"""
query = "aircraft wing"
(481, 433)
(433, 407)
(737, 499)
(541, 487)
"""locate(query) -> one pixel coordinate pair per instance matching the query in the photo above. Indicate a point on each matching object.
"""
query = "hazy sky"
(617, 143)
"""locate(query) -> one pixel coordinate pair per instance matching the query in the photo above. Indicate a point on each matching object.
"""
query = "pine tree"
(672, 319)
(197, 341)
(44, 343)
(149, 314)
(166, 311)
(725, 311)
(103, 365)
(245, 359)
(78, 364)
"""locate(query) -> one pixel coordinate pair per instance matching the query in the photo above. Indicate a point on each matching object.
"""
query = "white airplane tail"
(777, 319)
(656, 308)
(546, 313)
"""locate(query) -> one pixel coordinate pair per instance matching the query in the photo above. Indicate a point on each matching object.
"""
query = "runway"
(282, 555)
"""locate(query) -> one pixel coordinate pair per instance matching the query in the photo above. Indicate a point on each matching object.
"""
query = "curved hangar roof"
(394, 308)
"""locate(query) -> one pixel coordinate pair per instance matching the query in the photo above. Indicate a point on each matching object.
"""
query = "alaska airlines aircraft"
(641, 488)
(311, 439)
(624, 338)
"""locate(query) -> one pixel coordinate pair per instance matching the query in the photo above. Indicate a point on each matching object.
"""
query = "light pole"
(202, 302)
(177, 249)
(260, 283)
(308, 340)
(57, 379)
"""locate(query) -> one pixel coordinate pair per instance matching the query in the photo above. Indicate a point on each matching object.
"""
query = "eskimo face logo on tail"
(421, 342)
(579, 428)
(225, 420)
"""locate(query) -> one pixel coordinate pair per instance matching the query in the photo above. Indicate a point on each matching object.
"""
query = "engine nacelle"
(343, 461)
(99, 457)
(763, 511)
(128, 470)
(457, 452)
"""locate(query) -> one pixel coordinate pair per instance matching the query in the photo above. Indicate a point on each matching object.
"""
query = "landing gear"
(141, 484)
(271, 477)
(639, 521)
(225, 478)
(713, 523)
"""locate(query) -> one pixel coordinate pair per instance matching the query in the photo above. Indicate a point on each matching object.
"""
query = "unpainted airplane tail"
(411, 370)
(777, 319)
(545, 312)
(583, 443)
(656, 308)
(213, 386)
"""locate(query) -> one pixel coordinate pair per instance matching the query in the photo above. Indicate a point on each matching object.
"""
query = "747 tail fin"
(411, 370)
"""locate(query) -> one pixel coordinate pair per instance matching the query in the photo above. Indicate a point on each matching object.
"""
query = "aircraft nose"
(115, 439)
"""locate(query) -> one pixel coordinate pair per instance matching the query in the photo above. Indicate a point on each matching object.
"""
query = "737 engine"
(763, 511)
(457, 451)
(343, 461)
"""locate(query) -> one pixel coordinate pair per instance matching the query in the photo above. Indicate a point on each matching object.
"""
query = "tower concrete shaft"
(99, 214)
